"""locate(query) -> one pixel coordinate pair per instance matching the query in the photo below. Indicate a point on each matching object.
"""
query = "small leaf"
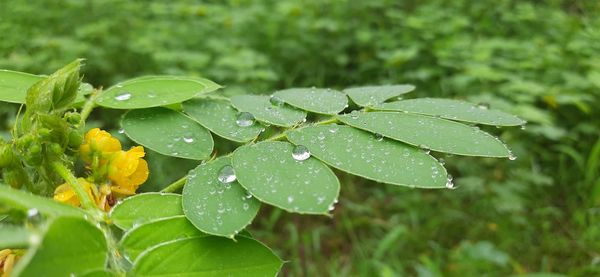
(216, 207)
(372, 95)
(220, 118)
(323, 101)
(14, 85)
(208, 256)
(270, 173)
(99, 273)
(361, 153)
(454, 110)
(22, 200)
(144, 236)
(168, 132)
(154, 91)
(12, 236)
(70, 247)
(263, 110)
(430, 133)
(144, 208)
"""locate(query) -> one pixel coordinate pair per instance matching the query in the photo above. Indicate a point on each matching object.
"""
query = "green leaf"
(99, 273)
(372, 95)
(270, 173)
(454, 110)
(361, 153)
(12, 236)
(208, 256)
(24, 201)
(168, 132)
(429, 133)
(144, 208)
(214, 207)
(323, 101)
(70, 246)
(144, 236)
(220, 118)
(14, 85)
(154, 91)
(263, 110)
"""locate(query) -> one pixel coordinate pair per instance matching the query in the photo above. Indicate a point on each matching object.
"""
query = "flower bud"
(73, 117)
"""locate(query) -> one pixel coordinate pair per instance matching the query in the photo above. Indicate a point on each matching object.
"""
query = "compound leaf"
(316, 100)
(263, 110)
(369, 96)
(144, 208)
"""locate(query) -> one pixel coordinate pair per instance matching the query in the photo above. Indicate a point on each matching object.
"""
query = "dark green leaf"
(372, 95)
(263, 110)
(323, 101)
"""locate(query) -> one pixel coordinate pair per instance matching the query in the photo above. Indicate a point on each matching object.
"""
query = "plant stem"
(173, 187)
(66, 174)
(89, 106)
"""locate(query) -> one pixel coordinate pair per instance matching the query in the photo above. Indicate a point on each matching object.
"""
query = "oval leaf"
(263, 110)
(70, 246)
(168, 132)
(14, 85)
(208, 256)
(270, 173)
(154, 91)
(144, 236)
(144, 208)
(220, 118)
(454, 110)
(316, 100)
(217, 208)
(429, 133)
(372, 95)
(361, 153)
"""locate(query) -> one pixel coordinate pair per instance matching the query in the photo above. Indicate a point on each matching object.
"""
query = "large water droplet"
(245, 119)
(227, 174)
(123, 96)
(276, 101)
(34, 217)
(300, 153)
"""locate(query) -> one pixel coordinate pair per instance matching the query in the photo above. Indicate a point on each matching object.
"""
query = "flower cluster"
(8, 257)
(114, 172)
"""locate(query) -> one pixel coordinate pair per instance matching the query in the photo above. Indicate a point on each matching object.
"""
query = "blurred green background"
(537, 59)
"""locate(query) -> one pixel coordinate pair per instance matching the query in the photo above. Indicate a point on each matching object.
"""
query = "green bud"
(33, 156)
(75, 139)
(7, 156)
(73, 117)
(45, 134)
(15, 177)
(54, 149)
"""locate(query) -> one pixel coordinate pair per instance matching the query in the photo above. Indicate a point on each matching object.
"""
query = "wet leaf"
(316, 100)
(369, 96)
(145, 207)
(263, 110)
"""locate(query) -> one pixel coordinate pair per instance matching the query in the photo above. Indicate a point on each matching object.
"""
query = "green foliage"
(144, 208)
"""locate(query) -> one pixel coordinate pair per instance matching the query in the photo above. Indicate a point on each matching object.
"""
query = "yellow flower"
(64, 193)
(98, 141)
(127, 171)
(8, 258)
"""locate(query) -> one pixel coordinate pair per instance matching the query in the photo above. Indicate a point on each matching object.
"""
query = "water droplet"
(483, 106)
(123, 96)
(378, 137)
(276, 101)
(300, 153)
(290, 199)
(245, 206)
(331, 208)
(523, 127)
(188, 139)
(34, 217)
(121, 131)
(354, 115)
(512, 157)
(227, 175)
(449, 183)
(245, 119)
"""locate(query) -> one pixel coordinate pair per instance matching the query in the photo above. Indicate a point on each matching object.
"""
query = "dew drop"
(34, 217)
(276, 101)
(290, 199)
(188, 139)
(245, 206)
(378, 137)
(512, 157)
(449, 182)
(300, 153)
(121, 131)
(123, 96)
(227, 174)
(245, 119)
(483, 106)
(523, 127)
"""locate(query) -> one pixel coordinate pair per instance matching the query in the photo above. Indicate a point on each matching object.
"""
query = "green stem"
(88, 107)
(66, 174)
(173, 187)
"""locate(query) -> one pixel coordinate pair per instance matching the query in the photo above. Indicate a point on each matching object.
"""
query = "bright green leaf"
(216, 207)
(270, 173)
(22, 200)
(144, 236)
(220, 118)
(208, 256)
(14, 85)
(323, 101)
(153, 91)
(429, 133)
(168, 132)
(12, 236)
(454, 110)
(361, 153)
(144, 208)
(263, 110)
(99, 273)
(372, 95)
(70, 246)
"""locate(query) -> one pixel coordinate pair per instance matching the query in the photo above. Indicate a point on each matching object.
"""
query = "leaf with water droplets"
(372, 95)
(316, 100)
(363, 154)
(208, 256)
(430, 133)
(263, 110)
(154, 91)
(214, 202)
(220, 118)
(144, 236)
(454, 110)
(269, 171)
(22, 200)
(168, 132)
(145, 207)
